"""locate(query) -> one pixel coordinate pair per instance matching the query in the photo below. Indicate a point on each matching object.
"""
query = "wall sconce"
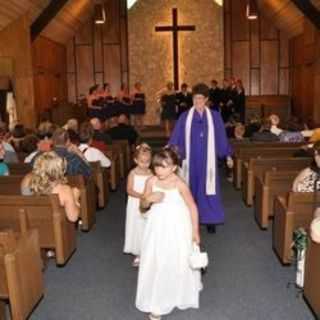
(252, 10)
(99, 14)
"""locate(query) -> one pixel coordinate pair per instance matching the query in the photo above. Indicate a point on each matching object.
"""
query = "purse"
(198, 260)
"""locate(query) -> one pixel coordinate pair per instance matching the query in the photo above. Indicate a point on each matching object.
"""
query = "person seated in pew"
(123, 131)
(309, 178)
(10, 154)
(72, 124)
(29, 146)
(48, 177)
(4, 170)
(315, 227)
(90, 153)
(44, 143)
(76, 164)
(101, 139)
(264, 134)
(17, 135)
(253, 126)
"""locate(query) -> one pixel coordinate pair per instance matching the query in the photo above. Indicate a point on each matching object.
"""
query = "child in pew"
(4, 170)
(166, 280)
(135, 222)
(48, 177)
(308, 180)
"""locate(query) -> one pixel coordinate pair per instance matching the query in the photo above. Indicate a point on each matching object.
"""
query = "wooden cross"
(175, 28)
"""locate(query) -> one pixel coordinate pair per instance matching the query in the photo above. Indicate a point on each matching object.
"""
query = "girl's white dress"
(165, 279)
(135, 222)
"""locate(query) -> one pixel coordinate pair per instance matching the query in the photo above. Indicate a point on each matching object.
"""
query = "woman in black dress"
(139, 105)
(169, 107)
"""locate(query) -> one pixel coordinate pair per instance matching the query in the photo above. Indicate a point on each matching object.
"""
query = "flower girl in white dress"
(135, 222)
(166, 280)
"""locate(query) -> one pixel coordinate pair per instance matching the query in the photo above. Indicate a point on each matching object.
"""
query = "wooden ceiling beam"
(309, 10)
(46, 16)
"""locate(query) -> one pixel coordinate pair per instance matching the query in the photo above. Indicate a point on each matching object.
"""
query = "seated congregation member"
(90, 153)
(168, 100)
(123, 131)
(17, 135)
(253, 126)
(184, 99)
(10, 155)
(76, 165)
(139, 104)
(307, 180)
(101, 139)
(44, 144)
(29, 147)
(214, 95)
(4, 170)
(48, 177)
(264, 134)
(72, 124)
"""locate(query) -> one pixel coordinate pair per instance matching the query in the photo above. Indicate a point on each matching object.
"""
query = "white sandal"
(154, 317)
(136, 262)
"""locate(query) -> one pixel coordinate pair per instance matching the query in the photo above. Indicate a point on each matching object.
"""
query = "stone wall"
(150, 52)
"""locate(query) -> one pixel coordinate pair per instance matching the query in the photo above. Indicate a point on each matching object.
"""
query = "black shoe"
(211, 228)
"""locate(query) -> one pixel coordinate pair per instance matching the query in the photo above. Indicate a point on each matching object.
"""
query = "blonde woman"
(48, 177)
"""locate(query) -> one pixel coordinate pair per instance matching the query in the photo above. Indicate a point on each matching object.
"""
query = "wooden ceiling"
(284, 14)
(61, 28)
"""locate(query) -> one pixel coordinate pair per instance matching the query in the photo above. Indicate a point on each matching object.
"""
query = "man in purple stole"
(201, 139)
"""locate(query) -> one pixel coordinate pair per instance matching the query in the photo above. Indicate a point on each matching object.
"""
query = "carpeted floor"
(245, 281)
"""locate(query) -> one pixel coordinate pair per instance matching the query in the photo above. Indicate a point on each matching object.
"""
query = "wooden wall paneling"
(124, 46)
(308, 91)
(227, 37)
(255, 82)
(112, 61)
(268, 29)
(99, 77)
(241, 62)
(72, 96)
(71, 67)
(85, 75)
(84, 36)
(284, 81)
(254, 44)
(111, 30)
(284, 50)
(240, 23)
(98, 51)
(269, 67)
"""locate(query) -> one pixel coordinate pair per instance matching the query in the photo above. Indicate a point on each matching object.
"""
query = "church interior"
(88, 83)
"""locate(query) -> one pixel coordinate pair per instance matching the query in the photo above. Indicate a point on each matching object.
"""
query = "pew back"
(45, 214)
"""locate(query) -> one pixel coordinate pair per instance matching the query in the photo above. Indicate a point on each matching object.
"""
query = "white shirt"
(275, 130)
(29, 158)
(94, 154)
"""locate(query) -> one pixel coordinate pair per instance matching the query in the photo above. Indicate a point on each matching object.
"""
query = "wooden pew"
(273, 183)
(20, 272)
(264, 105)
(88, 200)
(290, 213)
(263, 151)
(45, 214)
(120, 150)
(19, 169)
(125, 147)
(312, 277)
(255, 167)
(101, 177)
(113, 155)
(10, 185)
